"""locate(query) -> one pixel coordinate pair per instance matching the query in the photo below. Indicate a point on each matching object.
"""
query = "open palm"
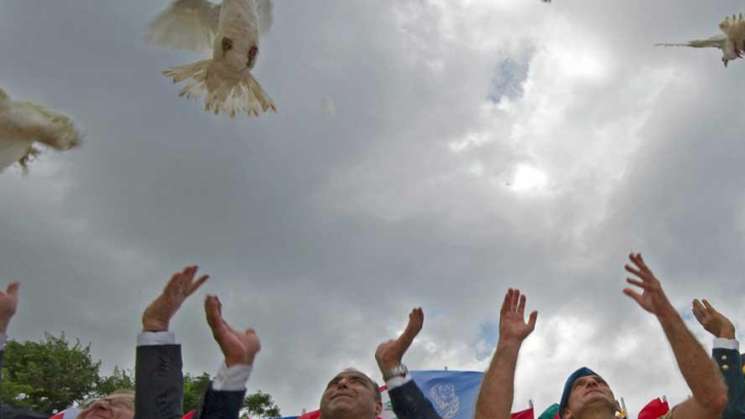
(652, 298)
(390, 353)
(512, 324)
(182, 284)
(237, 347)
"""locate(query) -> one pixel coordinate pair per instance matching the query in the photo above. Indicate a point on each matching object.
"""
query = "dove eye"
(227, 44)
(252, 53)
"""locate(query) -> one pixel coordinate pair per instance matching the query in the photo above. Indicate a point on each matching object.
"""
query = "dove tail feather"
(672, 45)
(185, 27)
(245, 96)
(224, 96)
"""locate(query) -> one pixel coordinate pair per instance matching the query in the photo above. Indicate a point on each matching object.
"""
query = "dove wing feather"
(187, 25)
(264, 14)
(13, 151)
(713, 42)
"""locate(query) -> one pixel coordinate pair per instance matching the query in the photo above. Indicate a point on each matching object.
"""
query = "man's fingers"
(515, 299)
(172, 283)
(698, 311)
(13, 288)
(189, 271)
(416, 320)
(640, 284)
(521, 305)
(634, 295)
(709, 306)
(532, 319)
(642, 264)
(198, 283)
(506, 302)
(635, 271)
(700, 316)
(697, 304)
(212, 310)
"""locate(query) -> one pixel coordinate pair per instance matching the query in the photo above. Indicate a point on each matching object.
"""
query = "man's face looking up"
(351, 393)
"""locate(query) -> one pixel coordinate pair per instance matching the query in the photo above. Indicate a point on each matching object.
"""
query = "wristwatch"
(399, 370)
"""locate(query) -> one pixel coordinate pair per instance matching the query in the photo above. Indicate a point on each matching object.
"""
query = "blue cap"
(582, 372)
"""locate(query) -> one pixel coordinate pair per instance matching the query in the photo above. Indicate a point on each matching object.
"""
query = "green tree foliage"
(260, 405)
(49, 375)
(119, 379)
(194, 388)
(46, 376)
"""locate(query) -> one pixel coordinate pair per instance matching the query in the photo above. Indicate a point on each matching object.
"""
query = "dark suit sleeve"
(730, 365)
(159, 382)
(409, 403)
(221, 404)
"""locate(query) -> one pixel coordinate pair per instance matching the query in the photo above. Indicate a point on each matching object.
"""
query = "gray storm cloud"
(323, 232)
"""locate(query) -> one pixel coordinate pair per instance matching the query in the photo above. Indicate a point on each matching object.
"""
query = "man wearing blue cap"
(586, 395)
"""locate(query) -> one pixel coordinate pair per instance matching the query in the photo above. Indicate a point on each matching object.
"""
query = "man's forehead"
(352, 373)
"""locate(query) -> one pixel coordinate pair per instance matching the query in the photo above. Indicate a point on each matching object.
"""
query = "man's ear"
(378, 408)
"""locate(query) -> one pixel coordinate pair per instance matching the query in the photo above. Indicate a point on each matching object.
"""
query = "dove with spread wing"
(731, 42)
(232, 29)
(22, 124)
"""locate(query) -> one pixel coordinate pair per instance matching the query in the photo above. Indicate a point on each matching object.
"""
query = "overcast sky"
(425, 153)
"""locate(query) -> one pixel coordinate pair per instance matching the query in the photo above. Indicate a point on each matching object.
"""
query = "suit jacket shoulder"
(409, 402)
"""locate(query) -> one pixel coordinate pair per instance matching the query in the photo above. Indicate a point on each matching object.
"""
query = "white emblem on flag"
(445, 399)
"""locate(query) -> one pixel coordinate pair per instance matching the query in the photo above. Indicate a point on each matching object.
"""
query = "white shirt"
(227, 378)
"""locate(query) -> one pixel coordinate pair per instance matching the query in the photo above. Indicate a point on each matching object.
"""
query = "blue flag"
(452, 393)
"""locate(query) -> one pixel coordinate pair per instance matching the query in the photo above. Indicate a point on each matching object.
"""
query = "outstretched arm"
(224, 397)
(709, 392)
(159, 382)
(495, 397)
(406, 398)
(726, 354)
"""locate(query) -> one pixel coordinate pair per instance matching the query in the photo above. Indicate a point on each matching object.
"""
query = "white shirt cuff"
(3, 339)
(397, 381)
(231, 378)
(722, 343)
(156, 338)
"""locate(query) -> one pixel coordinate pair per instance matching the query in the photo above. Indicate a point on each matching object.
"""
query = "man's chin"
(341, 404)
(597, 400)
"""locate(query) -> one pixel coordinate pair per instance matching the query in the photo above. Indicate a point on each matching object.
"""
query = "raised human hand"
(390, 353)
(712, 320)
(8, 305)
(237, 347)
(158, 314)
(652, 298)
(512, 325)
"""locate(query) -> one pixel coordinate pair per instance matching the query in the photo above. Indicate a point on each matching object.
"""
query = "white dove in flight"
(225, 80)
(732, 42)
(23, 123)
